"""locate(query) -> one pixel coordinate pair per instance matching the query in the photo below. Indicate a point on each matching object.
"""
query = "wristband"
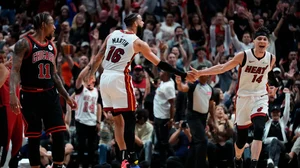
(167, 67)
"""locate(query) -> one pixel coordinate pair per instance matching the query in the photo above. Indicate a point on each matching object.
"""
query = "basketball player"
(11, 125)
(119, 49)
(255, 67)
(34, 67)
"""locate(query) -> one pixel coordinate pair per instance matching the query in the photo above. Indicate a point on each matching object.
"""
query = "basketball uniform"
(116, 83)
(252, 95)
(11, 126)
(87, 101)
(38, 97)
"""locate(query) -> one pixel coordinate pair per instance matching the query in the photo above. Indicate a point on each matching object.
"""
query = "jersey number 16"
(114, 54)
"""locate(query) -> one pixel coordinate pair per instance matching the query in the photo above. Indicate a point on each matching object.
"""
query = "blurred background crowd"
(184, 33)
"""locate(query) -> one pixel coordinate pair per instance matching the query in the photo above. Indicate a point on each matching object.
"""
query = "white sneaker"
(270, 163)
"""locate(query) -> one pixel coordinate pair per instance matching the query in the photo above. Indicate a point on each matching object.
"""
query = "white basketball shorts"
(249, 107)
(117, 92)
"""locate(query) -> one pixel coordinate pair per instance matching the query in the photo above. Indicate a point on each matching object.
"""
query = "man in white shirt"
(164, 108)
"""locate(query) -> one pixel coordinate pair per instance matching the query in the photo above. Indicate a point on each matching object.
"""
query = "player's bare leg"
(238, 152)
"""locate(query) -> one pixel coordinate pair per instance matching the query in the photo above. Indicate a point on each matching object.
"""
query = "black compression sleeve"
(272, 80)
(167, 67)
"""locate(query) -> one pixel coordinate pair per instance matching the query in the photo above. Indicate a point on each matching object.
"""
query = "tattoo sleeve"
(20, 49)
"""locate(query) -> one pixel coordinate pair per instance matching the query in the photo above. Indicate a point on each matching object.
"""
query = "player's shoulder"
(22, 44)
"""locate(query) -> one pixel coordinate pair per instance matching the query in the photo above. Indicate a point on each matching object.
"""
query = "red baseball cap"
(138, 67)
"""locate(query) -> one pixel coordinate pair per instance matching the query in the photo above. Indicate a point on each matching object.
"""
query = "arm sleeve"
(78, 91)
(167, 67)
(272, 80)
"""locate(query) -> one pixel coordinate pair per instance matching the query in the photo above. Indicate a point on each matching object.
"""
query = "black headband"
(260, 33)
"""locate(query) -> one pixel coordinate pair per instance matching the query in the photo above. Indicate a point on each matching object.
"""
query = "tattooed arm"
(21, 48)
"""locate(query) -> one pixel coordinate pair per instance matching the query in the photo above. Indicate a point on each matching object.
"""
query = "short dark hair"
(39, 19)
(200, 49)
(262, 31)
(178, 27)
(142, 113)
(130, 19)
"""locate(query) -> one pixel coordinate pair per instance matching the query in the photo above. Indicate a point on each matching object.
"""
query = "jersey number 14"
(114, 54)
(257, 79)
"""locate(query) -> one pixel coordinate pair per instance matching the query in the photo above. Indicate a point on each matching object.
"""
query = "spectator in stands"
(179, 40)
(143, 136)
(274, 136)
(106, 142)
(180, 139)
(220, 149)
(164, 108)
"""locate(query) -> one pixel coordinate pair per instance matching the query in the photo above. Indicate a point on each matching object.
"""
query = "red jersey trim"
(30, 48)
(37, 42)
(34, 90)
(126, 32)
(244, 126)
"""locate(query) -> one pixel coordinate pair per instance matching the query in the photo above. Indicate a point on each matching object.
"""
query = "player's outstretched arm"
(143, 47)
(221, 68)
(3, 74)
(81, 76)
(97, 59)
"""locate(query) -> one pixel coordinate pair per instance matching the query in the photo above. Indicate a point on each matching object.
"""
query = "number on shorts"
(87, 107)
(257, 79)
(44, 71)
(114, 54)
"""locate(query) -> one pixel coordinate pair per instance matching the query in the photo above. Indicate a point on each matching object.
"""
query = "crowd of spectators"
(184, 33)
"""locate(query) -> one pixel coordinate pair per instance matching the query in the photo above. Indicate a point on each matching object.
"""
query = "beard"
(49, 37)
(139, 32)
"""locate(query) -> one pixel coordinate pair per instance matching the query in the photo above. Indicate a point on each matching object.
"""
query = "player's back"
(37, 65)
(253, 74)
(119, 51)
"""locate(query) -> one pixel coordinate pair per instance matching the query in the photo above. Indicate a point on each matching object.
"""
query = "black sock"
(124, 154)
(253, 163)
(57, 165)
(132, 157)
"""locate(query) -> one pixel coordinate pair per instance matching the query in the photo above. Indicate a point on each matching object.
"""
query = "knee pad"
(242, 136)
(58, 147)
(259, 126)
(34, 151)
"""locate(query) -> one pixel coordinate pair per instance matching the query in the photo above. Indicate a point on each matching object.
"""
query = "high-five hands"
(192, 75)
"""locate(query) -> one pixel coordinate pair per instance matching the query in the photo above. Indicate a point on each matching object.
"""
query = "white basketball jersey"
(119, 51)
(253, 76)
(87, 106)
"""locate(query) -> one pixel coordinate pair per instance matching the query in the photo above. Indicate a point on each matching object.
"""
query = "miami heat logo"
(259, 109)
